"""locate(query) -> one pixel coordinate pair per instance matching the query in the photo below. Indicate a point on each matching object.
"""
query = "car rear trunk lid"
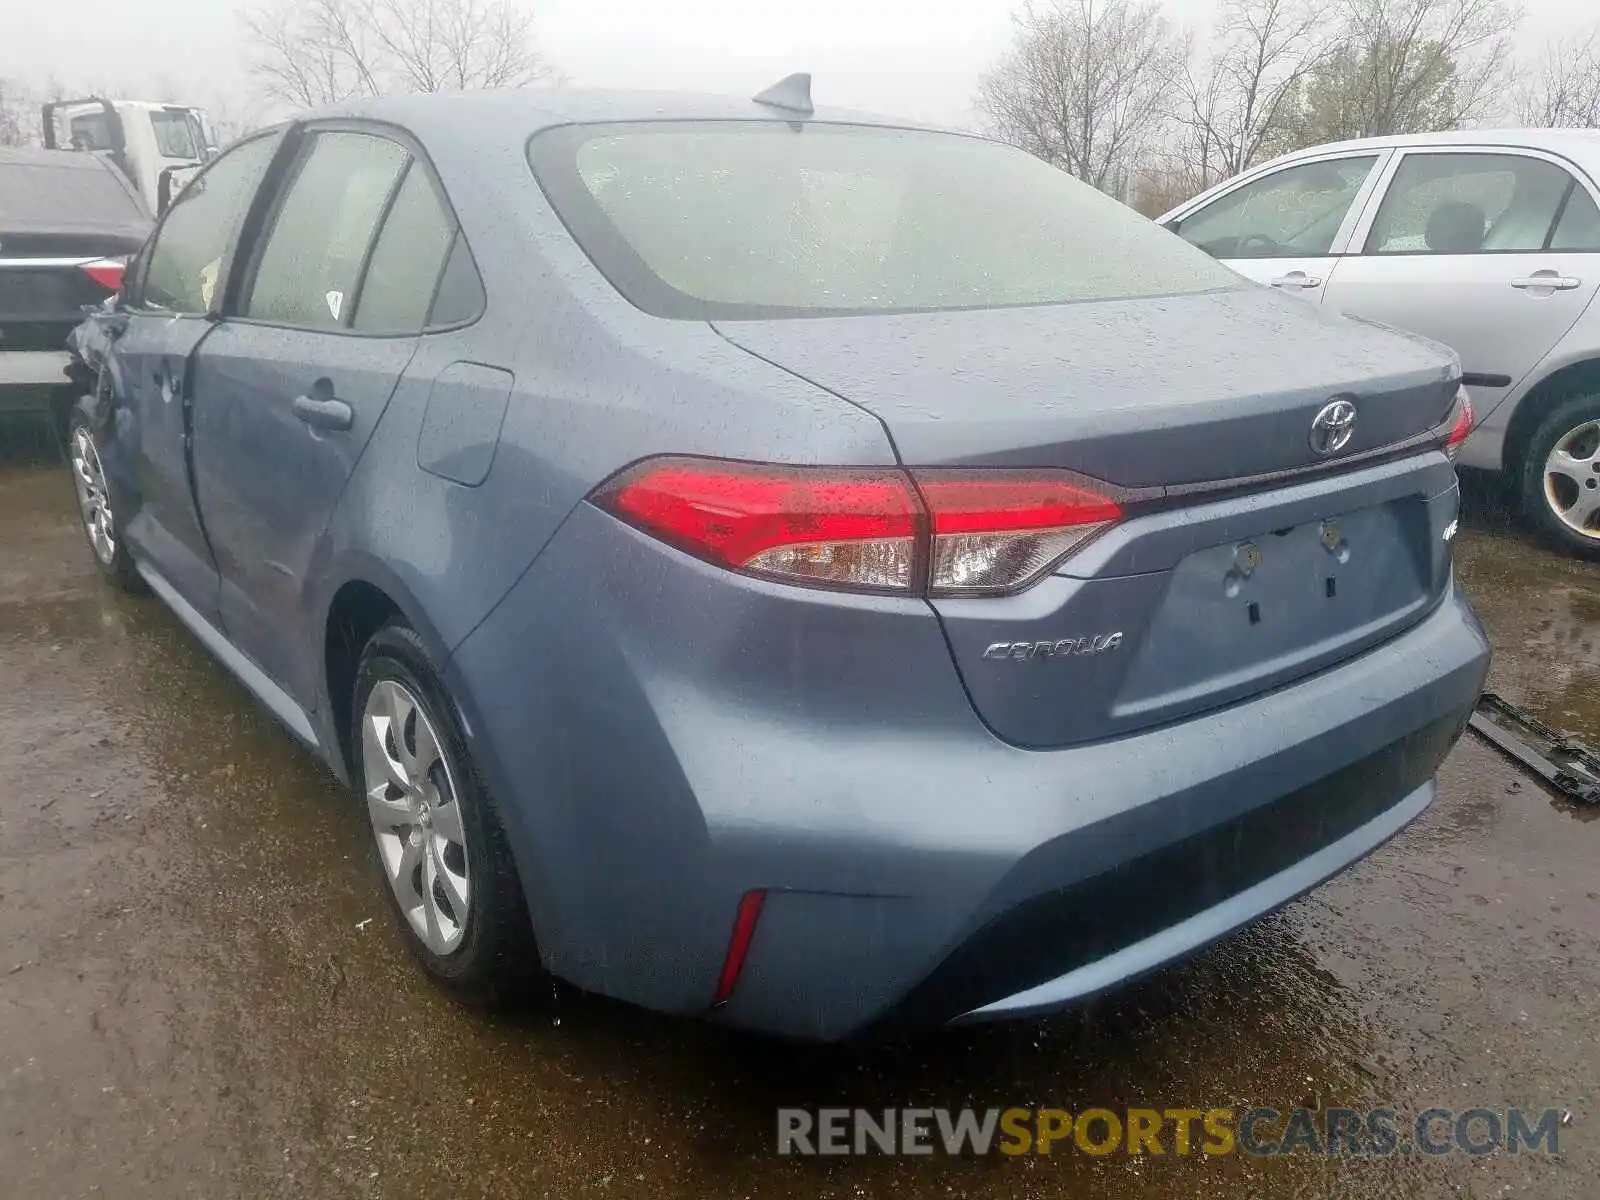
(1239, 567)
(1145, 392)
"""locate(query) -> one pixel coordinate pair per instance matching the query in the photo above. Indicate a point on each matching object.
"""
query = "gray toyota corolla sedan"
(782, 565)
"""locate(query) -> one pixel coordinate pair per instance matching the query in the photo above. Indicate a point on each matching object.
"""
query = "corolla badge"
(1099, 643)
(1332, 428)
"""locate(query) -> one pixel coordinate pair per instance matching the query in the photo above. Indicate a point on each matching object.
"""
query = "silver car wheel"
(94, 498)
(413, 802)
(1572, 480)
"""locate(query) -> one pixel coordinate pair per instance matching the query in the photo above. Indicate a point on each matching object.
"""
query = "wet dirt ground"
(201, 994)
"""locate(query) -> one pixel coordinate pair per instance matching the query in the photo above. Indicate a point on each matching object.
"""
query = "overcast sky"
(915, 58)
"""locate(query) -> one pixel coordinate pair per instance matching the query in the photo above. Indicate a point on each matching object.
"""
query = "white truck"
(157, 146)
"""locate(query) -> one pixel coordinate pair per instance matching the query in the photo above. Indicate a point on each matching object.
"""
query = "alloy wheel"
(1572, 480)
(415, 810)
(94, 497)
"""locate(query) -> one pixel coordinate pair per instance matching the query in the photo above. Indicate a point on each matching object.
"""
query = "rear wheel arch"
(357, 611)
(1580, 378)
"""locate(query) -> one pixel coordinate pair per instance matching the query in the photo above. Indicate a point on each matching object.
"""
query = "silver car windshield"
(734, 219)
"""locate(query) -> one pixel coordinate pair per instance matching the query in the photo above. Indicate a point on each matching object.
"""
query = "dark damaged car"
(68, 224)
(782, 565)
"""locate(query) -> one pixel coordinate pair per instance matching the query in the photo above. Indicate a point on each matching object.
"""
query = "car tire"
(435, 833)
(1561, 495)
(98, 503)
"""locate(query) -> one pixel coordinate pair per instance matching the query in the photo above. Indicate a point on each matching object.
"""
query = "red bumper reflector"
(744, 928)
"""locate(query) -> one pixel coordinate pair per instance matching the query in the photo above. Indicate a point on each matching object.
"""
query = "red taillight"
(945, 532)
(1461, 427)
(107, 272)
(855, 528)
(744, 928)
(996, 532)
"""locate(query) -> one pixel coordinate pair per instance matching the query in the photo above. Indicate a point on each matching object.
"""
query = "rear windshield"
(35, 193)
(763, 219)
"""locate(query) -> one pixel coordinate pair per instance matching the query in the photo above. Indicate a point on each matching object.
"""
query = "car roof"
(1570, 142)
(1576, 145)
(532, 109)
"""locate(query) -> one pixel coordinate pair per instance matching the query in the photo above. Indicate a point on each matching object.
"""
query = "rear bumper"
(916, 867)
(1170, 942)
(30, 379)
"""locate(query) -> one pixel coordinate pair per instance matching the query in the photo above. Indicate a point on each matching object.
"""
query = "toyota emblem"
(1332, 428)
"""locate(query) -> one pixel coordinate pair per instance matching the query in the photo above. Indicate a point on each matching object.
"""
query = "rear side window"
(407, 260)
(310, 264)
(460, 297)
(183, 263)
(1579, 226)
(759, 219)
(1468, 204)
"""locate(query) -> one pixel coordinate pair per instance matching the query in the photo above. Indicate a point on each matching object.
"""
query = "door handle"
(1297, 279)
(332, 413)
(1548, 279)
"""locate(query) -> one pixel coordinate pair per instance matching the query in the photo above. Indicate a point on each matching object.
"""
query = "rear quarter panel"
(596, 385)
(1486, 448)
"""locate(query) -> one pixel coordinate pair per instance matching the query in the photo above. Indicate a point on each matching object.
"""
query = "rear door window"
(311, 262)
(1469, 204)
(1292, 213)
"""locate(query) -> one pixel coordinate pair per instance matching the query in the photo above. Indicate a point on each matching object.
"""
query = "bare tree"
(19, 115)
(1406, 66)
(1565, 88)
(1236, 108)
(313, 52)
(1085, 85)
(457, 44)
(304, 52)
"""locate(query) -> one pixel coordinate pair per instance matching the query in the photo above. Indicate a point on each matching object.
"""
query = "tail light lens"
(935, 531)
(852, 528)
(107, 272)
(1461, 421)
(997, 532)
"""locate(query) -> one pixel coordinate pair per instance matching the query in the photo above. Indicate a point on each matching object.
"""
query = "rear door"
(1287, 227)
(1490, 251)
(176, 286)
(294, 382)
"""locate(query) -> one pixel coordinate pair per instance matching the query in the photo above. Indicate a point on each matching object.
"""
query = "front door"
(1285, 228)
(291, 388)
(1487, 252)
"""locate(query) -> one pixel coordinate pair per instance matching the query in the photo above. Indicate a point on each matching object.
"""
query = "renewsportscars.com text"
(1259, 1132)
